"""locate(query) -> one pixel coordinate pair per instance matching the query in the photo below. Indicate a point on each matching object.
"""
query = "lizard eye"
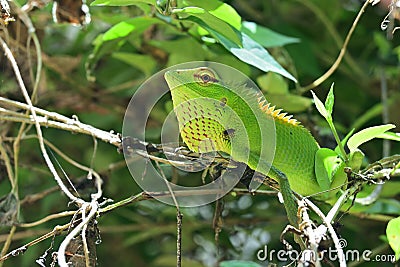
(205, 77)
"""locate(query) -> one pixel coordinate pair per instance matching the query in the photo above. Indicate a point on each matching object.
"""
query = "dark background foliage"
(92, 75)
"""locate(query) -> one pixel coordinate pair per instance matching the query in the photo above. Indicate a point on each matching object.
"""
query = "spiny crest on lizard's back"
(265, 106)
(276, 113)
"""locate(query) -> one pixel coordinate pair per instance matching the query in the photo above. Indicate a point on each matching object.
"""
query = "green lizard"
(205, 108)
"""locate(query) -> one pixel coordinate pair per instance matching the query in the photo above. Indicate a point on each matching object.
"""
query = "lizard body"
(216, 116)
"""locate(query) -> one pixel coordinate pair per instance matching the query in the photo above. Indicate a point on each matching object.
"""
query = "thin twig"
(23, 15)
(65, 157)
(98, 180)
(49, 114)
(178, 239)
(47, 218)
(50, 165)
(338, 204)
(178, 219)
(93, 206)
(149, 195)
(91, 172)
(35, 197)
(375, 217)
(26, 20)
(322, 16)
(335, 239)
(15, 252)
(385, 110)
(7, 162)
(7, 243)
(107, 137)
(84, 241)
(13, 113)
(336, 64)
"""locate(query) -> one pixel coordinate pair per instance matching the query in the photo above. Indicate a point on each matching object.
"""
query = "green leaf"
(390, 136)
(273, 84)
(393, 235)
(356, 158)
(250, 52)
(144, 63)
(238, 43)
(220, 10)
(121, 2)
(327, 162)
(275, 89)
(124, 28)
(254, 54)
(330, 99)
(181, 50)
(381, 206)
(392, 190)
(326, 112)
(320, 106)
(211, 22)
(367, 134)
(238, 264)
(265, 36)
(114, 38)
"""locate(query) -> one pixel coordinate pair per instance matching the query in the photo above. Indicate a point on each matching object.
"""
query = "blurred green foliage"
(93, 71)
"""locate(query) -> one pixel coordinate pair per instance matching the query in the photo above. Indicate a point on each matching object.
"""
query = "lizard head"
(203, 76)
(200, 100)
(191, 83)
